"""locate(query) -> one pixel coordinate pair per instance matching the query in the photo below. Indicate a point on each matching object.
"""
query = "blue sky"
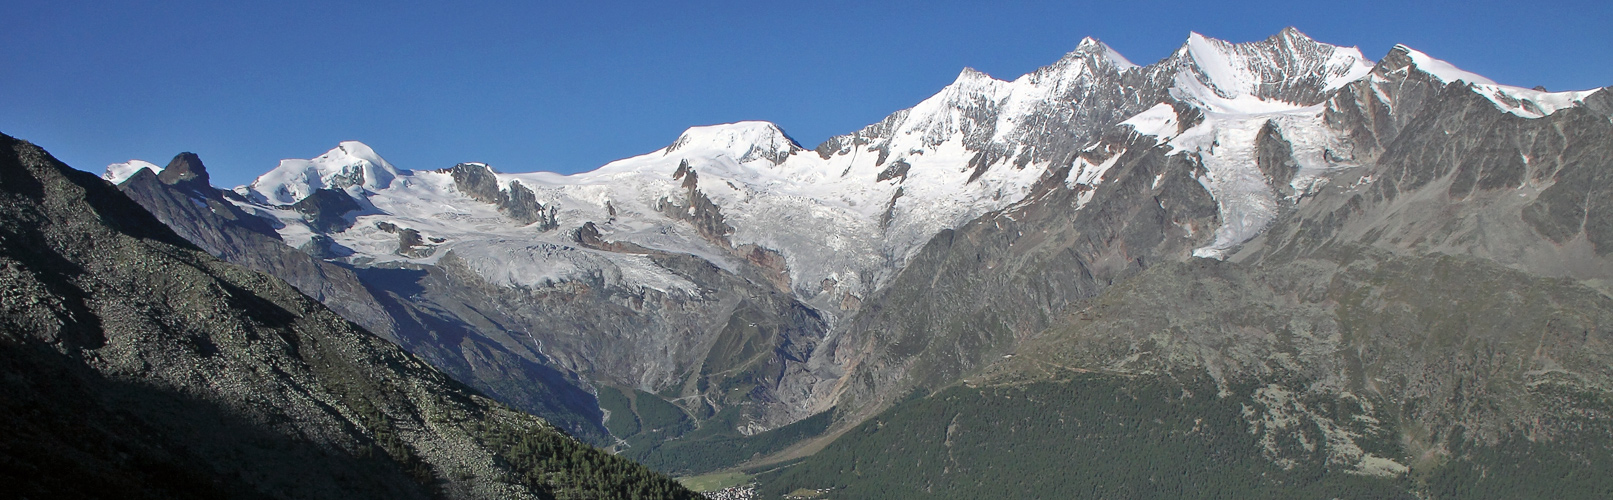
(569, 86)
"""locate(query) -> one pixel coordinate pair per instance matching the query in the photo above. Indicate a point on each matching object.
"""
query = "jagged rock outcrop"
(696, 208)
(520, 204)
(517, 202)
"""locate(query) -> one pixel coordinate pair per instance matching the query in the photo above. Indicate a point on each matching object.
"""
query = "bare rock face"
(897, 169)
(324, 209)
(411, 245)
(971, 294)
(1275, 158)
(1465, 178)
(476, 181)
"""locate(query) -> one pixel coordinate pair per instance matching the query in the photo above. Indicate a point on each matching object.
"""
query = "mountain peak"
(185, 167)
(1090, 46)
(1287, 67)
(116, 173)
(1443, 71)
(743, 141)
(1292, 33)
(351, 165)
(971, 75)
(971, 81)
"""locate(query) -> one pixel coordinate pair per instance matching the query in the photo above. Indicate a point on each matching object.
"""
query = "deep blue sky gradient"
(569, 86)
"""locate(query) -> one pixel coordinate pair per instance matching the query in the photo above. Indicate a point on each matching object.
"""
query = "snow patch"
(1159, 121)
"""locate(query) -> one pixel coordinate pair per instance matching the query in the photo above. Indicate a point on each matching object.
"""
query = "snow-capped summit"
(742, 141)
(1439, 69)
(1286, 69)
(351, 167)
(116, 173)
(1090, 45)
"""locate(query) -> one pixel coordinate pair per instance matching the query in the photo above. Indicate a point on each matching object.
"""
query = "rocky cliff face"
(138, 365)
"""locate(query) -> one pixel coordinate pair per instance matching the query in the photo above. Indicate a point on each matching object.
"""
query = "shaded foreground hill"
(137, 366)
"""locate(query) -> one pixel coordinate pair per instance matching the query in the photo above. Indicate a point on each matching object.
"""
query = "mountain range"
(1273, 268)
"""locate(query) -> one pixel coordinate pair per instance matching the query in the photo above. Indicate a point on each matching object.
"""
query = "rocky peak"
(1397, 61)
(185, 168)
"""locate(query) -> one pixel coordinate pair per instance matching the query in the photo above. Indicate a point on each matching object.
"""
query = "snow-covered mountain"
(845, 216)
(730, 269)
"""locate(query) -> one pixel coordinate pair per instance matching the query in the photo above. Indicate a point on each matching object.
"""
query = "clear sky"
(569, 86)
